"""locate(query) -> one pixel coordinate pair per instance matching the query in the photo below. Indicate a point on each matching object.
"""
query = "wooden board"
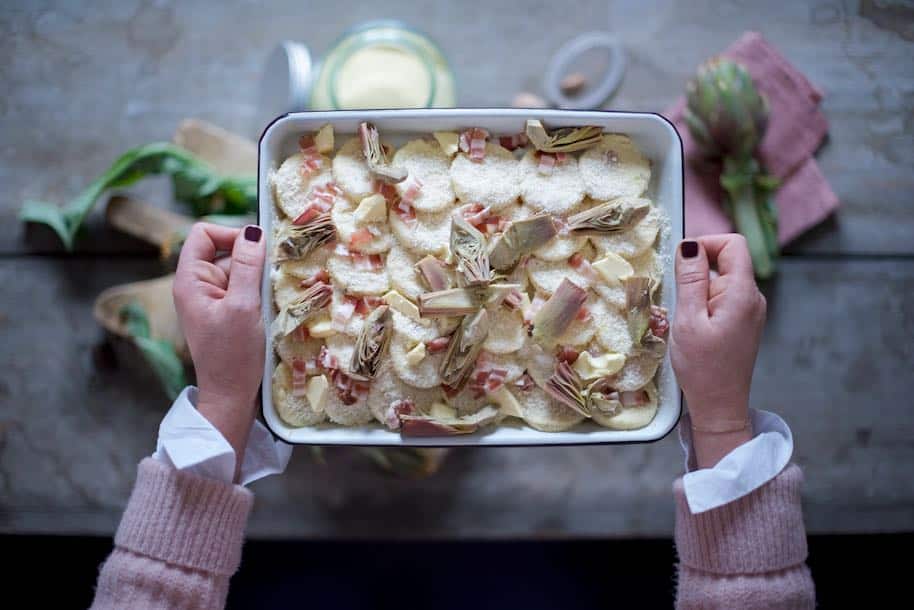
(835, 362)
(68, 110)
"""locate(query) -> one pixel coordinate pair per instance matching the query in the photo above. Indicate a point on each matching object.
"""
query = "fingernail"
(689, 249)
(253, 233)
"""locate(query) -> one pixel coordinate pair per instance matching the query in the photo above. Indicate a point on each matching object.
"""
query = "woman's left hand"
(218, 304)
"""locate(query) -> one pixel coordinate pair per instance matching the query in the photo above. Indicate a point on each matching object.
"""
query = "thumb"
(692, 280)
(246, 271)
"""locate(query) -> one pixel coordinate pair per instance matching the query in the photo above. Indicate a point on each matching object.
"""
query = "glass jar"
(383, 64)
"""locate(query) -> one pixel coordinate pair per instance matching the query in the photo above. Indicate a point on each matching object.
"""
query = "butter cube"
(506, 402)
(613, 268)
(440, 410)
(593, 367)
(371, 209)
(316, 392)
(321, 327)
(324, 139)
(400, 303)
(448, 141)
(416, 355)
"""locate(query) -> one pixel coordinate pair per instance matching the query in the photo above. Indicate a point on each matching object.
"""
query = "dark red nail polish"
(689, 249)
(253, 233)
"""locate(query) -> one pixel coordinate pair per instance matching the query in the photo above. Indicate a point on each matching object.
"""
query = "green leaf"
(161, 356)
(194, 183)
(158, 353)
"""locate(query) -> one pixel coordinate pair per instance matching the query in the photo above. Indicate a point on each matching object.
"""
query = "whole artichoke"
(727, 117)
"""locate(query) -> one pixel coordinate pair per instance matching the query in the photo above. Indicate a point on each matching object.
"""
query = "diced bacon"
(305, 142)
(638, 398)
(376, 261)
(560, 158)
(495, 380)
(492, 223)
(405, 212)
(360, 389)
(513, 142)
(567, 354)
(362, 306)
(545, 164)
(449, 391)
(311, 366)
(582, 266)
(413, 187)
(658, 323)
(327, 360)
(300, 334)
(308, 214)
(525, 382)
(503, 224)
(583, 314)
(341, 314)
(439, 344)
(397, 409)
(319, 276)
(513, 300)
(360, 238)
(299, 378)
(473, 142)
(386, 190)
(475, 214)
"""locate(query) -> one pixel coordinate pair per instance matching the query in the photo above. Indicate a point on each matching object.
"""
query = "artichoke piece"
(427, 425)
(371, 344)
(557, 313)
(602, 398)
(637, 306)
(565, 387)
(376, 158)
(451, 302)
(607, 218)
(433, 273)
(463, 348)
(468, 246)
(564, 139)
(303, 309)
(522, 237)
(301, 240)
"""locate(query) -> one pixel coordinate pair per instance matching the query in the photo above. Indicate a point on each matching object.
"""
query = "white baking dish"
(653, 134)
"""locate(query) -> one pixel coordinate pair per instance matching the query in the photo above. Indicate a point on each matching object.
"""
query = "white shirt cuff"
(188, 441)
(741, 471)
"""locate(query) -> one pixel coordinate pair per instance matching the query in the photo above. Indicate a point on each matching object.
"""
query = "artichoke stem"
(738, 179)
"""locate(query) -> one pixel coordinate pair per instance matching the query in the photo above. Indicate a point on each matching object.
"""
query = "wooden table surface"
(82, 84)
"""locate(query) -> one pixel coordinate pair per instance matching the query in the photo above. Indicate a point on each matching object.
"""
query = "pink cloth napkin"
(796, 128)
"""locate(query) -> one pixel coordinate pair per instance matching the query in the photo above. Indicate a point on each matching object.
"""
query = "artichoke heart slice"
(296, 313)
(563, 139)
(371, 344)
(376, 157)
(522, 237)
(299, 241)
(607, 218)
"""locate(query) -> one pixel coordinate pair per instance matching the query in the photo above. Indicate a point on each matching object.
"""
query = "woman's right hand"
(715, 339)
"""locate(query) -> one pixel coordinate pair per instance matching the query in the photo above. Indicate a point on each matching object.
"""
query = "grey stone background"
(83, 81)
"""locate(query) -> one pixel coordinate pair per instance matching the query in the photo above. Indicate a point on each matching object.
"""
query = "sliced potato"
(429, 234)
(556, 193)
(292, 187)
(547, 275)
(339, 412)
(614, 168)
(288, 348)
(350, 171)
(413, 331)
(506, 330)
(543, 412)
(638, 371)
(387, 388)
(580, 332)
(293, 410)
(612, 331)
(426, 161)
(423, 375)
(402, 273)
(493, 182)
(286, 288)
(354, 280)
(343, 215)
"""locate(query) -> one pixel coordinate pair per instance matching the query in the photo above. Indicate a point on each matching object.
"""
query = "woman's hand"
(715, 339)
(218, 304)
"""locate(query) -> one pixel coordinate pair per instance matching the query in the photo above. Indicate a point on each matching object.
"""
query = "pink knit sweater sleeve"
(747, 554)
(178, 543)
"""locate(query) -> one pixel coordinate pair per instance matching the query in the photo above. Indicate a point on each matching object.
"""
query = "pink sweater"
(180, 540)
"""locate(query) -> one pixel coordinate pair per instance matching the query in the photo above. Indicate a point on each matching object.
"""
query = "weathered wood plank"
(835, 362)
(80, 89)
